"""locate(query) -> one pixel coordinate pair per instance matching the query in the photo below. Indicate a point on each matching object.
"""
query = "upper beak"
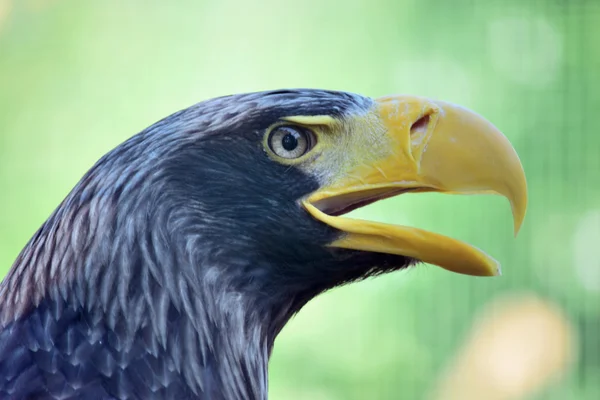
(432, 146)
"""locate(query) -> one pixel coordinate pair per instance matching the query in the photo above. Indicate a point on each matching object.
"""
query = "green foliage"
(79, 77)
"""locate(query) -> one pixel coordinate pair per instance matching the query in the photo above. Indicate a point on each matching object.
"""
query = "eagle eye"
(291, 141)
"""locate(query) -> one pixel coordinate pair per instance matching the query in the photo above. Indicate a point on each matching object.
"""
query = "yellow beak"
(432, 146)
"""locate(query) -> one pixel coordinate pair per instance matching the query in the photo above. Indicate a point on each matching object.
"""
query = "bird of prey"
(170, 268)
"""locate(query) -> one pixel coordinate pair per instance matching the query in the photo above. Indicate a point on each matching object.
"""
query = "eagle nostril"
(420, 125)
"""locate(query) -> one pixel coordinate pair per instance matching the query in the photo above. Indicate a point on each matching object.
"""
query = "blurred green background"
(79, 77)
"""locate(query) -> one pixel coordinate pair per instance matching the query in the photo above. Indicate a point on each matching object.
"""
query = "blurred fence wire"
(78, 77)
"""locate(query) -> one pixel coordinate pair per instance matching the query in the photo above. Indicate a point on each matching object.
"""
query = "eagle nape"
(170, 268)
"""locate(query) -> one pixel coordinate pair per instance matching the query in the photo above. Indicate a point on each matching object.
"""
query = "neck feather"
(141, 279)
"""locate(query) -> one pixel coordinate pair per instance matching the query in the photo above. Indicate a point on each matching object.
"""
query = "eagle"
(170, 268)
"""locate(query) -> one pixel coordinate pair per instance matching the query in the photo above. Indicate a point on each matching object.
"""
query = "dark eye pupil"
(289, 142)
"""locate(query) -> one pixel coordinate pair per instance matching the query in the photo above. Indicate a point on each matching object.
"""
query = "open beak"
(432, 147)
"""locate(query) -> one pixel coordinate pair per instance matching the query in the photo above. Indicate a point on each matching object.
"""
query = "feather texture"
(171, 267)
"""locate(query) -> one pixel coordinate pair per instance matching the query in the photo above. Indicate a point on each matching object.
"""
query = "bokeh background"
(79, 77)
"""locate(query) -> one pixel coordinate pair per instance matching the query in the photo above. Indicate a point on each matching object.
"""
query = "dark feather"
(171, 267)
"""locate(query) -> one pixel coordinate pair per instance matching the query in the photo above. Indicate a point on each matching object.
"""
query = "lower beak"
(432, 146)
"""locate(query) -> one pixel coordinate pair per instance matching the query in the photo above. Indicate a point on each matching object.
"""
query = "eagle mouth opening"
(329, 207)
(347, 202)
